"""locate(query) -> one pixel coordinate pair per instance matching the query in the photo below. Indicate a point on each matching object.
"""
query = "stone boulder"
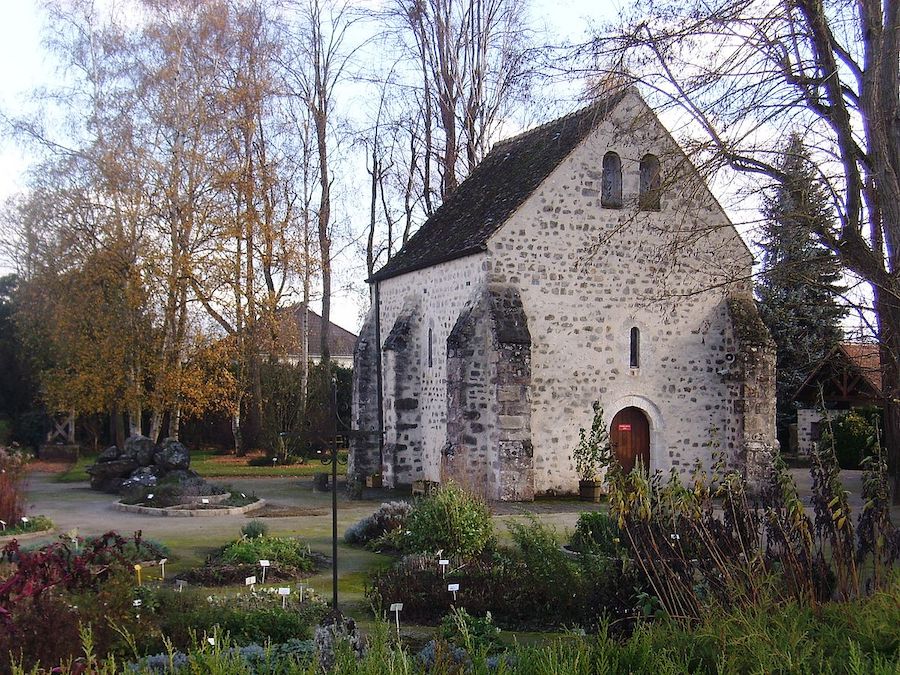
(143, 477)
(141, 449)
(172, 456)
(110, 454)
(108, 476)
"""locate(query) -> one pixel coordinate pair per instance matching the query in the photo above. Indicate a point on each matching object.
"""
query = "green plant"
(597, 532)
(450, 519)
(854, 435)
(254, 529)
(283, 550)
(472, 633)
(383, 528)
(593, 451)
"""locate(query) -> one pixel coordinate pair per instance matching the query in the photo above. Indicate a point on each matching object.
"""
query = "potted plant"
(592, 454)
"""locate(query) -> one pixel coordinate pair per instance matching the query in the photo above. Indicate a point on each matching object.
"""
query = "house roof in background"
(851, 371)
(341, 341)
(505, 178)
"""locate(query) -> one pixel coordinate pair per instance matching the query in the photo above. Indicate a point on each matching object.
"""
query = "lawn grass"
(209, 464)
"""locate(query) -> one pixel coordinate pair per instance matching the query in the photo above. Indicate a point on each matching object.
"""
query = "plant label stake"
(137, 605)
(137, 570)
(150, 496)
(284, 592)
(444, 563)
(204, 501)
(3, 524)
(396, 608)
(264, 564)
(162, 566)
(453, 588)
(24, 520)
(180, 584)
(251, 582)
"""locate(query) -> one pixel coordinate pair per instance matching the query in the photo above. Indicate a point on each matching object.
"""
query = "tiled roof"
(504, 179)
(288, 334)
(867, 358)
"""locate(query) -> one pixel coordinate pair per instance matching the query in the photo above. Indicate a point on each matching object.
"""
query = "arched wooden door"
(630, 438)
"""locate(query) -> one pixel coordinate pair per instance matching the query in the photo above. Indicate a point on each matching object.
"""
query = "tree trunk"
(887, 307)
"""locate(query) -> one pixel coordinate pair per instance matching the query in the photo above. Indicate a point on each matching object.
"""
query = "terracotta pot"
(590, 490)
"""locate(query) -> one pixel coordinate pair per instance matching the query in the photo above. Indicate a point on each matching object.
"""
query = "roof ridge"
(596, 103)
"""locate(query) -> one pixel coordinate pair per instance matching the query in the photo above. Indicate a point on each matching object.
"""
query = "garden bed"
(195, 508)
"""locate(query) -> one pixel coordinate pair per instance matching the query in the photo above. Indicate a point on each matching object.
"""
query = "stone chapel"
(582, 260)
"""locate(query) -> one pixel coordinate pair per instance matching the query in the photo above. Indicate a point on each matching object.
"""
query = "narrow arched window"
(611, 182)
(430, 348)
(651, 183)
(635, 348)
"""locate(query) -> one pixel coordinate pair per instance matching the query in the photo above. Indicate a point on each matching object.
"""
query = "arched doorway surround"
(657, 456)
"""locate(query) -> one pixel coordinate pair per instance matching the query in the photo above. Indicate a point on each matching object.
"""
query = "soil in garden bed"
(215, 574)
(284, 511)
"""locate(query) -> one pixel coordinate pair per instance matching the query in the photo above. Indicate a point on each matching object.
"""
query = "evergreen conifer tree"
(800, 281)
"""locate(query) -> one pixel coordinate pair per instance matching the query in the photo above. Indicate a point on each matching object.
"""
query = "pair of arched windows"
(611, 183)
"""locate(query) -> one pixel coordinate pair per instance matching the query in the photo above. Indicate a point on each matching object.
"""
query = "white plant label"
(396, 608)
(284, 591)
(249, 581)
(3, 524)
(137, 603)
(150, 496)
(24, 519)
(243, 496)
(204, 501)
(211, 641)
(453, 588)
(264, 563)
(443, 563)
(162, 567)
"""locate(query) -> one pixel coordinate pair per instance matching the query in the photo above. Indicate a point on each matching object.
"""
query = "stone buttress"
(489, 446)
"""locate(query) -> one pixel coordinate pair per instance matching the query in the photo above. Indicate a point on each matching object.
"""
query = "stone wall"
(441, 292)
(588, 275)
(365, 451)
(488, 444)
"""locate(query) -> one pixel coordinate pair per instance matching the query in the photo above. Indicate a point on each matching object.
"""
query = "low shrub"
(383, 529)
(516, 592)
(773, 637)
(283, 550)
(254, 529)
(473, 633)
(228, 574)
(27, 524)
(246, 618)
(450, 519)
(597, 533)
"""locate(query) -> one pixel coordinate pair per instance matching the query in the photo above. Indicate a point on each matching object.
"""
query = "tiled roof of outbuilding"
(504, 179)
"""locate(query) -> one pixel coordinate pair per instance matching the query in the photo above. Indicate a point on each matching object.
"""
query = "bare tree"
(474, 68)
(748, 73)
(319, 30)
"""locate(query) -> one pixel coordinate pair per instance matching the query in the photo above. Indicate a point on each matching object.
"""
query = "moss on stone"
(748, 325)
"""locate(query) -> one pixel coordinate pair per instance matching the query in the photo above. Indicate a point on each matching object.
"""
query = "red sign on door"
(624, 427)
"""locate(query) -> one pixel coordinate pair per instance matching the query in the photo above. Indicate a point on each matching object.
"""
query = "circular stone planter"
(24, 536)
(185, 510)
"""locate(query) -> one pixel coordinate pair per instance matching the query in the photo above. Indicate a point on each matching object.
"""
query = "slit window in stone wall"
(430, 348)
(611, 182)
(651, 184)
(635, 348)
